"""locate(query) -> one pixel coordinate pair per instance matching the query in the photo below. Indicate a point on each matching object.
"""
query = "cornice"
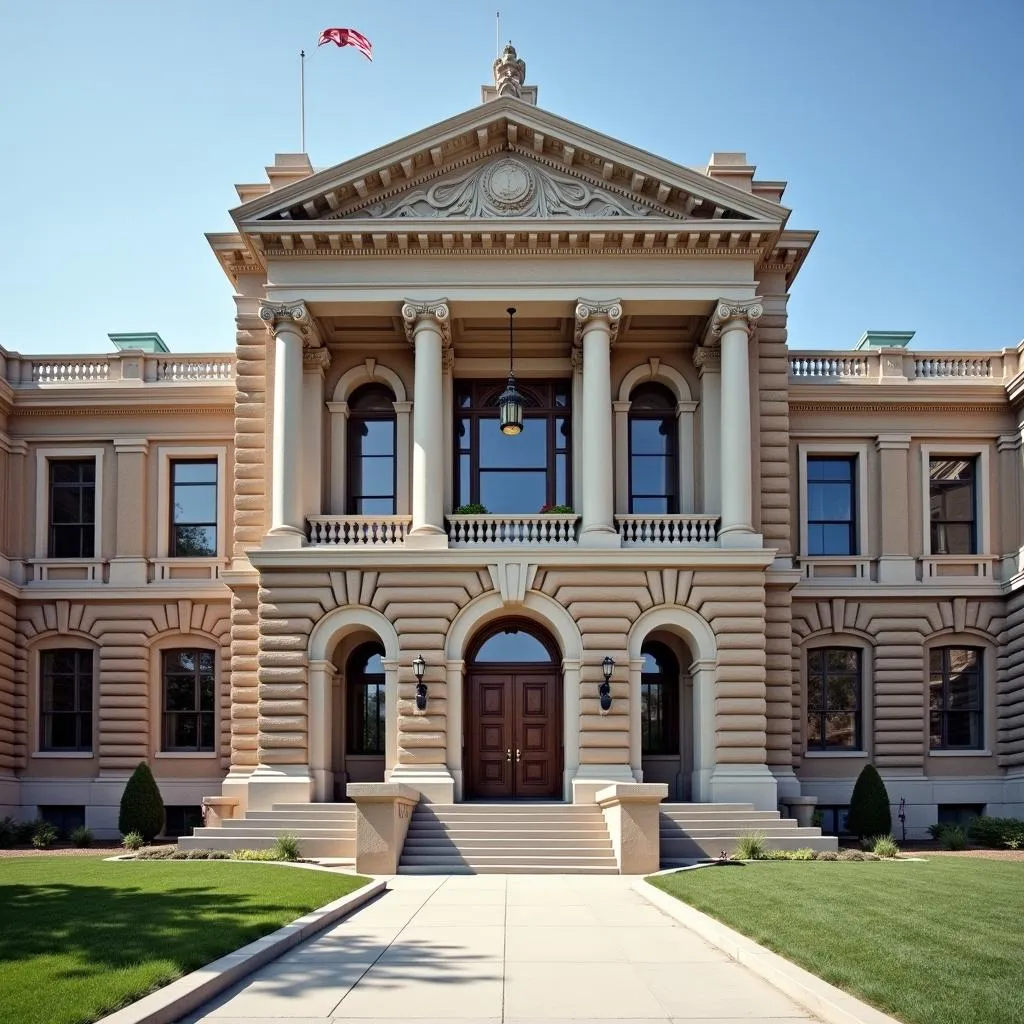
(59, 408)
(943, 406)
(498, 250)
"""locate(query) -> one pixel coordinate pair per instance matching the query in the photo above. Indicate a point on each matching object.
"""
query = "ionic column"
(314, 366)
(731, 323)
(292, 326)
(427, 328)
(596, 326)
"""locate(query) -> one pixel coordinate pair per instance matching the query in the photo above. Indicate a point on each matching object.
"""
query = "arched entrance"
(513, 714)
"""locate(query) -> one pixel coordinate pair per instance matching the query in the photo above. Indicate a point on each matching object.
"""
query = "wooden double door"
(513, 733)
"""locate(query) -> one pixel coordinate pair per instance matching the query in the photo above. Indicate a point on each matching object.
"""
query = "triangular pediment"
(508, 159)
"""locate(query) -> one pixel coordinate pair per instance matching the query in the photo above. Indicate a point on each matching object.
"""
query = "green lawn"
(80, 938)
(929, 943)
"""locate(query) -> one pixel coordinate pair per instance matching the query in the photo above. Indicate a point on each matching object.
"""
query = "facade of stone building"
(786, 563)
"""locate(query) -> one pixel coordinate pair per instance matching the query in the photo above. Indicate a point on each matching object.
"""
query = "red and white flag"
(347, 37)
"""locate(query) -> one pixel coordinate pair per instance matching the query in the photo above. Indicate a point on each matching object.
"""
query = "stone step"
(341, 848)
(721, 816)
(568, 821)
(728, 808)
(567, 862)
(244, 829)
(324, 806)
(309, 811)
(288, 823)
(728, 828)
(454, 868)
(510, 843)
(418, 832)
(480, 810)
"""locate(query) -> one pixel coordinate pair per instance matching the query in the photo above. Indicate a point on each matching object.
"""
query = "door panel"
(537, 729)
(490, 735)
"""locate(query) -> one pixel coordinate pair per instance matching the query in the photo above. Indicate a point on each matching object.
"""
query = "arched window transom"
(513, 644)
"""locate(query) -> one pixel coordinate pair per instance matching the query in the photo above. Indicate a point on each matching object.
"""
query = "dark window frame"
(86, 521)
(172, 547)
(669, 418)
(659, 733)
(354, 458)
(169, 716)
(817, 690)
(514, 625)
(362, 741)
(477, 402)
(939, 740)
(82, 673)
(852, 524)
(938, 527)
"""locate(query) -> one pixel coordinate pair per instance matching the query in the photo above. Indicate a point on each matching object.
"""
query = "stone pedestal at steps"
(631, 814)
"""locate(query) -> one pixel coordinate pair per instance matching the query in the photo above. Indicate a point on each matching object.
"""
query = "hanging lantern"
(510, 401)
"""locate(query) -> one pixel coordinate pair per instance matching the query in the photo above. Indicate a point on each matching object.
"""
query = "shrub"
(818, 819)
(8, 833)
(25, 830)
(206, 855)
(869, 806)
(827, 855)
(953, 837)
(804, 853)
(44, 836)
(750, 846)
(869, 856)
(850, 855)
(254, 854)
(936, 831)
(473, 508)
(885, 846)
(157, 853)
(142, 808)
(287, 847)
(179, 855)
(997, 832)
(557, 510)
(81, 836)
(132, 841)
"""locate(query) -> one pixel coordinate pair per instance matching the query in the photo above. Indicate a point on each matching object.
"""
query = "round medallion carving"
(510, 186)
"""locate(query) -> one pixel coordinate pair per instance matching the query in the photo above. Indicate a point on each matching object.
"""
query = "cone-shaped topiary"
(870, 815)
(142, 807)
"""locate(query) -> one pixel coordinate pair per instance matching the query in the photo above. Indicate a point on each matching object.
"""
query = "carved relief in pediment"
(507, 187)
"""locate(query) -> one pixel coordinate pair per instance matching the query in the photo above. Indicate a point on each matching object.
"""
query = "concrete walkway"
(504, 948)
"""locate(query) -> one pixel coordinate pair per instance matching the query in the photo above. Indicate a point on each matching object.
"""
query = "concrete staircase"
(323, 830)
(539, 838)
(692, 832)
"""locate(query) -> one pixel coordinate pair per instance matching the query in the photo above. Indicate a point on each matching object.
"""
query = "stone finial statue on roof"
(509, 73)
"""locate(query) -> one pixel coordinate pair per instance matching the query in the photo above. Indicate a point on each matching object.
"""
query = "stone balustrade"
(128, 367)
(358, 531)
(896, 366)
(543, 530)
(690, 530)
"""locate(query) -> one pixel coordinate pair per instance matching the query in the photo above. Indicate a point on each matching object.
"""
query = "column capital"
(414, 312)
(707, 360)
(315, 360)
(595, 310)
(732, 313)
(292, 314)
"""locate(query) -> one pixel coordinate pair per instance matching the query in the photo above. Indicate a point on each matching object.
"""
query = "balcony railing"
(544, 530)
(888, 366)
(358, 531)
(690, 530)
(130, 367)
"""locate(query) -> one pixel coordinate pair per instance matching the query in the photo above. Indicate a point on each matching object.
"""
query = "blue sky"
(898, 125)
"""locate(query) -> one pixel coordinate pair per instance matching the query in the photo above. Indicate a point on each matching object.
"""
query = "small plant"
(557, 510)
(870, 856)
(818, 819)
(750, 846)
(179, 855)
(936, 831)
(850, 855)
(287, 847)
(142, 807)
(44, 836)
(870, 814)
(473, 508)
(157, 853)
(132, 841)
(1014, 843)
(81, 836)
(8, 833)
(827, 855)
(26, 830)
(254, 854)
(206, 855)
(997, 832)
(885, 846)
(804, 853)
(953, 837)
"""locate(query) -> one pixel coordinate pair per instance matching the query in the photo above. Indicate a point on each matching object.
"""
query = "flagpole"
(497, 33)
(302, 101)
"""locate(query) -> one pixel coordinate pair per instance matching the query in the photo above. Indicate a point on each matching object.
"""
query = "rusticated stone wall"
(245, 637)
(773, 421)
(125, 634)
(1010, 687)
(898, 631)
(422, 604)
(12, 745)
(251, 442)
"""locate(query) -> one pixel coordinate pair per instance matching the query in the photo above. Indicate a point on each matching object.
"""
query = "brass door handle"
(519, 756)
(508, 753)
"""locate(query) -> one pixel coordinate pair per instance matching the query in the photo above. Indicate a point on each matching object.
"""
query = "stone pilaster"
(129, 566)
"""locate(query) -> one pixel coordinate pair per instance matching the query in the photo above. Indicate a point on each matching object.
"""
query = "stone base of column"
(786, 781)
(323, 785)
(740, 538)
(279, 784)
(738, 784)
(433, 782)
(588, 779)
(897, 569)
(600, 537)
(284, 538)
(129, 572)
(430, 537)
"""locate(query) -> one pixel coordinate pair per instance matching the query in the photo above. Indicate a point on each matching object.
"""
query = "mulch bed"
(98, 849)
(928, 850)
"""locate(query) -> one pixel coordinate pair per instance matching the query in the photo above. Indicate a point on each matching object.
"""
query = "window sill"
(959, 753)
(835, 753)
(192, 754)
(171, 568)
(64, 754)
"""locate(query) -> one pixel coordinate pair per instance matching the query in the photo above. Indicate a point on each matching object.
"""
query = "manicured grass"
(931, 943)
(80, 938)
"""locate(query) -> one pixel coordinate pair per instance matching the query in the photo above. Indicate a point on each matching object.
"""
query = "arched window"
(659, 700)
(364, 680)
(513, 644)
(371, 452)
(653, 454)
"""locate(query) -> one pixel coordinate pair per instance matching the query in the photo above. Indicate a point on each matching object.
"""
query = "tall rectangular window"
(831, 505)
(189, 696)
(193, 508)
(72, 526)
(65, 704)
(953, 505)
(834, 698)
(955, 698)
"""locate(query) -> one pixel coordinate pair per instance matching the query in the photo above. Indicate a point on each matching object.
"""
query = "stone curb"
(186, 994)
(831, 1004)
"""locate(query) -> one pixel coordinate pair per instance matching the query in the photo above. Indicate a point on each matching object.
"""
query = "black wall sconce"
(605, 689)
(419, 666)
